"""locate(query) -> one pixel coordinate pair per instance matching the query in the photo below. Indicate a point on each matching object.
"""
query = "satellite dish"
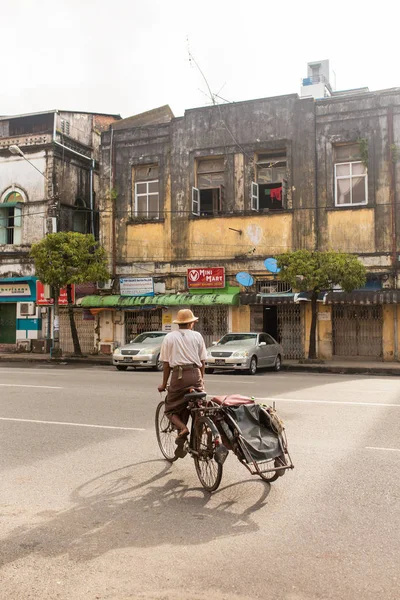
(271, 265)
(244, 279)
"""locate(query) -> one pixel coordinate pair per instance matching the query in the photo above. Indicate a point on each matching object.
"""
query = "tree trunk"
(56, 350)
(74, 332)
(312, 353)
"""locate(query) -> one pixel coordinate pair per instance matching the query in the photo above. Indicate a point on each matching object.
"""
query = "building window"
(10, 219)
(268, 192)
(209, 194)
(65, 126)
(351, 177)
(147, 203)
(81, 217)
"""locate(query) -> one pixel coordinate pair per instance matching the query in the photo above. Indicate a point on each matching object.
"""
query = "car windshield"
(148, 338)
(242, 339)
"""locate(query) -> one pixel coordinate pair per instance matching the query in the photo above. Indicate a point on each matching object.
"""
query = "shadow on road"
(119, 509)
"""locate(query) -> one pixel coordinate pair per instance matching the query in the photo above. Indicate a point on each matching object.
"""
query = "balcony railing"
(315, 79)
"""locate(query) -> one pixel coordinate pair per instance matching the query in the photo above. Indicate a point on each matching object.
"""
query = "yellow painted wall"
(388, 331)
(351, 230)
(240, 318)
(150, 241)
(324, 332)
(270, 234)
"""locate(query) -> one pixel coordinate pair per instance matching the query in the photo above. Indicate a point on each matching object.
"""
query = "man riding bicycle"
(184, 353)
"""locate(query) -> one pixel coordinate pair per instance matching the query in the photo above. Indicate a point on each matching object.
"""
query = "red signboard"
(62, 299)
(213, 277)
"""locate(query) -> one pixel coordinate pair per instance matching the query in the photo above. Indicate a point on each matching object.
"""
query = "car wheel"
(278, 363)
(209, 371)
(159, 364)
(253, 366)
(121, 368)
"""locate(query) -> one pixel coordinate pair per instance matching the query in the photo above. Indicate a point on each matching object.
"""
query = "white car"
(143, 351)
(244, 352)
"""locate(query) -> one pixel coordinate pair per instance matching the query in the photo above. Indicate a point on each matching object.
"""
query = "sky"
(125, 57)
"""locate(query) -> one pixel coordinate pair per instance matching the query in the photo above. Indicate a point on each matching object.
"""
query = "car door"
(273, 349)
(263, 351)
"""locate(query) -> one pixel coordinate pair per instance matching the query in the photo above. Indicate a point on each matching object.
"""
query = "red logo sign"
(41, 300)
(214, 277)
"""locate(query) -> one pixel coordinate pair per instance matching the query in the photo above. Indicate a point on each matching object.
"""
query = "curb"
(340, 370)
(56, 361)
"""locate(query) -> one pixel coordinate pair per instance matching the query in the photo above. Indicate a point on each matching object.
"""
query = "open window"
(209, 195)
(270, 188)
(147, 200)
(11, 218)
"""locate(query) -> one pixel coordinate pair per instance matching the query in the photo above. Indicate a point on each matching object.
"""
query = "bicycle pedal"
(220, 454)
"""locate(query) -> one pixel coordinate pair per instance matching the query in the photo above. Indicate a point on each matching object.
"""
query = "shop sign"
(166, 322)
(41, 300)
(14, 289)
(136, 286)
(214, 277)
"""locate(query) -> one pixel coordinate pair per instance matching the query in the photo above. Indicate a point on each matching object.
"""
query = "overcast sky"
(120, 56)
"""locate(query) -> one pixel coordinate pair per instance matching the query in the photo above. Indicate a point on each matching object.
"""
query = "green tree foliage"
(64, 258)
(317, 272)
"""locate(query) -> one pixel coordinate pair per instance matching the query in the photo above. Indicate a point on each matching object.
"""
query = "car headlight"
(208, 354)
(241, 354)
(147, 351)
(117, 352)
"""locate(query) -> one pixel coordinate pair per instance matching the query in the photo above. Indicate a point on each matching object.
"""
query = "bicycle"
(215, 430)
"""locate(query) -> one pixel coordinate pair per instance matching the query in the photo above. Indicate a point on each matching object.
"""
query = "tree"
(316, 272)
(62, 259)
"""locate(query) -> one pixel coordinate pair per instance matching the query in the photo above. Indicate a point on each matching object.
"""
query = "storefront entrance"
(139, 321)
(8, 322)
(212, 323)
(357, 331)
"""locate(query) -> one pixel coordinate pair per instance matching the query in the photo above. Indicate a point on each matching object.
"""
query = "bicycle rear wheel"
(165, 433)
(208, 470)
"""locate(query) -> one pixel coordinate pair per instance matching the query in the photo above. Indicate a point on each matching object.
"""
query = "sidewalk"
(334, 366)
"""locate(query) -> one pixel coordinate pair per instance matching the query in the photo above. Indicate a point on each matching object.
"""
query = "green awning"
(159, 300)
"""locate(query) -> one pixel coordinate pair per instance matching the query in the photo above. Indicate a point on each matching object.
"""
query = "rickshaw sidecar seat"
(233, 400)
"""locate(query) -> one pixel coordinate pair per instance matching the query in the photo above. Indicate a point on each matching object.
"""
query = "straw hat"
(185, 315)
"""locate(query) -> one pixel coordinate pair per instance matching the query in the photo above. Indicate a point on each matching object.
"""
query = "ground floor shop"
(356, 326)
(20, 318)
(120, 319)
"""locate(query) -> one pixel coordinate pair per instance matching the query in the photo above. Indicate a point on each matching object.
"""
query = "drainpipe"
(113, 215)
(91, 197)
(396, 334)
(316, 220)
(392, 193)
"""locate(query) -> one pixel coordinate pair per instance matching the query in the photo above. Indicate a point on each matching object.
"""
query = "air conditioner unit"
(26, 309)
(105, 285)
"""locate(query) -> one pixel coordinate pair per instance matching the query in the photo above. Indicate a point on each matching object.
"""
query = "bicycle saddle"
(195, 395)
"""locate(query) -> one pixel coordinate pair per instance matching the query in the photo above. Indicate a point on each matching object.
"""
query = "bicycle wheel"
(208, 470)
(165, 433)
(272, 476)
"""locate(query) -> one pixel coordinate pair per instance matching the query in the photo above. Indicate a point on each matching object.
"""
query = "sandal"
(180, 451)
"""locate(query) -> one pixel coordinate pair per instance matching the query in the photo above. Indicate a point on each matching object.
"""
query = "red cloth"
(276, 194)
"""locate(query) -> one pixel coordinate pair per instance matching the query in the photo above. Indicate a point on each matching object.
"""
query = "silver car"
(143, 351)
(244, 352)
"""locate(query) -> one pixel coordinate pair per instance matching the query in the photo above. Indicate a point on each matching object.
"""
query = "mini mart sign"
(213, 277)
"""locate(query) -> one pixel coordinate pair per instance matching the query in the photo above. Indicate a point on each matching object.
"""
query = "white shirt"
(183, 347)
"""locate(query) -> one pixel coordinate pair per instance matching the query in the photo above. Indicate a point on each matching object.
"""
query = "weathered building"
(231, 185)
(49, 181)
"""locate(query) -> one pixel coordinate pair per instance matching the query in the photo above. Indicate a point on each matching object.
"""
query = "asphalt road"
(89, 510)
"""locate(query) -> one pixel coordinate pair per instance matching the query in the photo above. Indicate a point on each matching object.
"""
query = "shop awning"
(159, 300)
(364, 297)
(267, 299)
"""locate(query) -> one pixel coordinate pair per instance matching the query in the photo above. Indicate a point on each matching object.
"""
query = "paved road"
(90, 511)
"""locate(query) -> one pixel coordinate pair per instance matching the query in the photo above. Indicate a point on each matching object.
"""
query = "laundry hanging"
(276, 194)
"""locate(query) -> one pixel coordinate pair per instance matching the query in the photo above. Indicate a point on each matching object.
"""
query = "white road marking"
(344, 403)
(47, 387)
(72, 424)
(385, 449)
(230, 381)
